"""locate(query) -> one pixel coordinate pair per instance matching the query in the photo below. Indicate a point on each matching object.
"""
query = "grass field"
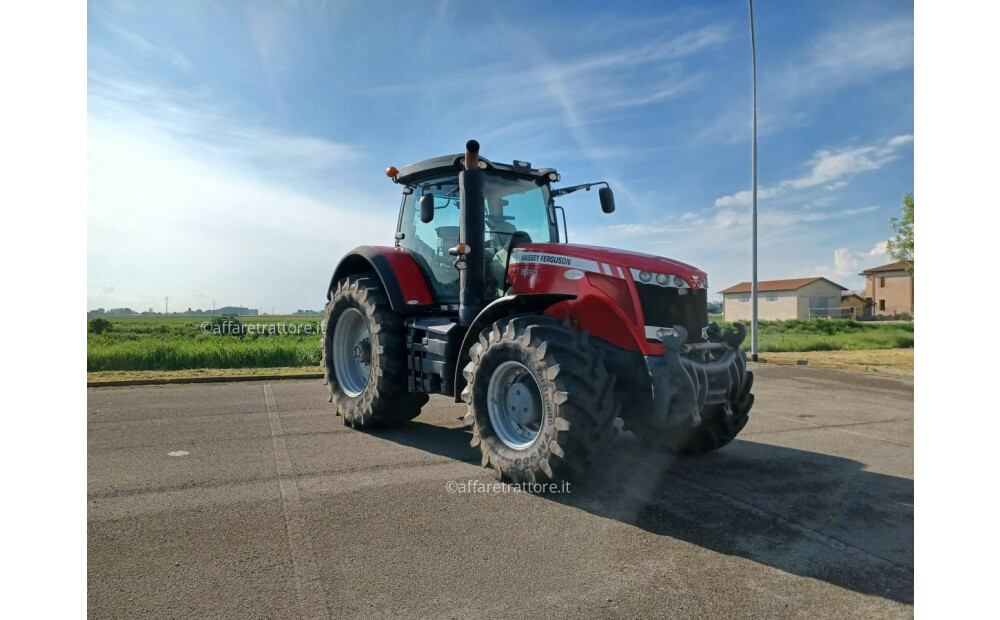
(828, 335)
(178, 343)
(181, 343)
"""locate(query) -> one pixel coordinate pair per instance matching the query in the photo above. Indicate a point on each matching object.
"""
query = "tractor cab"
(518, 209)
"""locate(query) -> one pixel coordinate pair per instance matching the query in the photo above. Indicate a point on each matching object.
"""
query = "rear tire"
(561, 397)
(365, 363)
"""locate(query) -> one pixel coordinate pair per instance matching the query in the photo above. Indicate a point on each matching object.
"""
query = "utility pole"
(753, 174)
(213, 307)
(166, 306)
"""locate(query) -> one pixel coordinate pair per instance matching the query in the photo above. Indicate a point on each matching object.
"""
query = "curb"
(825, 366)
(173, 380)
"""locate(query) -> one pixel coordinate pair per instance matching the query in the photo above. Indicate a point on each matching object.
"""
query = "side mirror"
(607, 199)
(427, 208)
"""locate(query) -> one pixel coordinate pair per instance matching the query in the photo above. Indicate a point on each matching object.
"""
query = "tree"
(900, 247)
(99, 326)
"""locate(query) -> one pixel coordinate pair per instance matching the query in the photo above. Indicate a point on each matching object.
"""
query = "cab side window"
(429, 243)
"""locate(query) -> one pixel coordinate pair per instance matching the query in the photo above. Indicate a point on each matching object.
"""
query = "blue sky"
(236, 150)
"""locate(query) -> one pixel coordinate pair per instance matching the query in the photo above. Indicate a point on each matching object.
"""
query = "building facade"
(799, 298)
(855, 303)
(890, 288)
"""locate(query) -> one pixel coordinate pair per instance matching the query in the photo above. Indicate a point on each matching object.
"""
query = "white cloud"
(193, 121)
(165, 220)
(144, 47)
(718, 241)
(727, 225)
(844, 262)
(846, 55)
(880, 249)
(745, 197)
(848, 263)
(826, 167)
(899, 141)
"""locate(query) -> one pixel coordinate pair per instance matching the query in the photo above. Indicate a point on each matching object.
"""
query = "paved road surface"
(251, 500)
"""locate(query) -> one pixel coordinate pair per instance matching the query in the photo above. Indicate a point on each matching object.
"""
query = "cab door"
(429, 243)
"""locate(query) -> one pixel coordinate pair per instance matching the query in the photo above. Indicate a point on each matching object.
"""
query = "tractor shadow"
(804, 513)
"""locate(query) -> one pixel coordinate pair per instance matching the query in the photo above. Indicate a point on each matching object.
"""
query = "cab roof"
(453, 164)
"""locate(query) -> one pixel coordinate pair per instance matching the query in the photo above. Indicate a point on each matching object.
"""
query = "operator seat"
(503, 236)
(448, 237)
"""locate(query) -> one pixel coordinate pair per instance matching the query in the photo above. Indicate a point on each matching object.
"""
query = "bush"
(99, 326)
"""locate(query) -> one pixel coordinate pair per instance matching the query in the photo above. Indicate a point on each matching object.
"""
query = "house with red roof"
(798, 298)
(890, 288)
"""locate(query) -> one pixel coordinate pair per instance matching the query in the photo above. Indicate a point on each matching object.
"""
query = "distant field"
(180, 343)
(828, 335)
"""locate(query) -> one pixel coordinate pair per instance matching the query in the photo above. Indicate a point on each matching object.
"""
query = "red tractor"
(549, 343)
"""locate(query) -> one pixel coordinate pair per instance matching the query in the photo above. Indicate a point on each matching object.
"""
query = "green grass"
(178, 343)
(828, 335)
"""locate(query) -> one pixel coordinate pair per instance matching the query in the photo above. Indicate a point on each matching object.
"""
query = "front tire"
(364, 357)
(541, 402)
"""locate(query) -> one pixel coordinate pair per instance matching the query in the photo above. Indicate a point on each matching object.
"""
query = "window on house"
(744, 298)
(771, 298)
(881, 304)
(881, 282)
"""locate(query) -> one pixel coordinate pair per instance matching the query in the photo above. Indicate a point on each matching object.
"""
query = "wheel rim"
(514, 403)
(352, 352)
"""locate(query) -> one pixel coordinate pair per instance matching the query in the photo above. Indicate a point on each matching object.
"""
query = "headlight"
(665, 331)
(678, 281)
(645, 276)
(661, 278)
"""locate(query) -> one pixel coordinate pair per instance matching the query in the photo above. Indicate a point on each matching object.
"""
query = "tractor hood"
(610, 258)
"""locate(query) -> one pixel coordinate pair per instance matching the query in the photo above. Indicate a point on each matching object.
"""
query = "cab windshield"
(515, 206)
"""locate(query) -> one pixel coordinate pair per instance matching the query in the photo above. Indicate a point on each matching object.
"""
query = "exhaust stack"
(472, 234)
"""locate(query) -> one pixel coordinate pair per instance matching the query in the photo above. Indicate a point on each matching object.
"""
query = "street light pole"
(753, 173)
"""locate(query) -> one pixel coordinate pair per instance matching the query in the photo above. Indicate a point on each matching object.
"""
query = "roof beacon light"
(391, 172)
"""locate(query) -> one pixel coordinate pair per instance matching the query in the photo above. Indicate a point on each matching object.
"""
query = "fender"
(399, 273)
(526, 303)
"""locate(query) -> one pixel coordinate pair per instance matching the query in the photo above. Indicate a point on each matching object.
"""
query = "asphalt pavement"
(252, 500)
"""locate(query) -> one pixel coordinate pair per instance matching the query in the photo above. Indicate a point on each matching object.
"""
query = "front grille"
(665, 307)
